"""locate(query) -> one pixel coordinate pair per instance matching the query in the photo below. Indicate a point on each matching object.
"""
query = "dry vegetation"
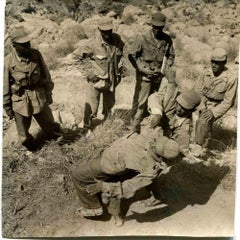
(37, 192)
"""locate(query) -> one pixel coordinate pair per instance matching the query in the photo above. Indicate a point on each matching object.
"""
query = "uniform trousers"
(44, 119)
(92, 103)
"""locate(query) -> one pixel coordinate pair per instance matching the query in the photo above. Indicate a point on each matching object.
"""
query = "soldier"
(136, 159)
(152, 55)
(218, 90)
(105, 52)
(172, 111)
(28, 89)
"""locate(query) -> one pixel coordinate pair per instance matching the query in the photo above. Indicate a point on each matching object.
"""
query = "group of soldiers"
(162, 116)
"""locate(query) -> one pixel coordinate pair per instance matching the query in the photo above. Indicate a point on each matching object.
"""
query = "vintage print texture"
(119, 118)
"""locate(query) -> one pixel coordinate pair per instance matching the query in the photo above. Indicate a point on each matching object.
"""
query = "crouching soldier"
(28, 89)
(172, 111)
(134, 157)
(218, 90)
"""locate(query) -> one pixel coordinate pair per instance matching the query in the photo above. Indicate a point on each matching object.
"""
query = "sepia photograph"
(119, 118)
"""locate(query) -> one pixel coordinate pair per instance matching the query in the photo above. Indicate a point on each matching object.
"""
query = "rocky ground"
(38, 198)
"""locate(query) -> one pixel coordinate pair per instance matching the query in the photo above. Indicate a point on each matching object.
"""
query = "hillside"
(38, 198)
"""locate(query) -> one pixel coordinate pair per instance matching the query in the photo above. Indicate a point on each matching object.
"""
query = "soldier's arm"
(7, 102)
(182, 136)
(155, 100)
(228, 100)
(143, 179)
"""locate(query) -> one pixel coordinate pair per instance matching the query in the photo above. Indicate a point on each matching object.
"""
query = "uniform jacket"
(163, 102)
(218, 93)
(104, 58)
(131, 153)
(26, 83)
(149, 51)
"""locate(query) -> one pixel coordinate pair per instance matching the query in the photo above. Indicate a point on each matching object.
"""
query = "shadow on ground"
(185, 184)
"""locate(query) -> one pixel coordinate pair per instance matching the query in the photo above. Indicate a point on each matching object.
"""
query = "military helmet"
(20, 35)
(105, 23)
(167, 147)
(219, 54)
(158, 19)
(189, 99)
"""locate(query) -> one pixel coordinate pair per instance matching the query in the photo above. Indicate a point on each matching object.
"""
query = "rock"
(168, 13)
(90, 25)
(198, 51)
(66, 119)
(131, 14)
(112, 14)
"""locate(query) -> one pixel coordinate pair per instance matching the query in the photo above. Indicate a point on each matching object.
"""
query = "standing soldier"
(28, 89)
(105, 51)
(151, 55)
(218, 90)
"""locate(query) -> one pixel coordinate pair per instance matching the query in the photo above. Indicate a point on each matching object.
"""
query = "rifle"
(164, 60)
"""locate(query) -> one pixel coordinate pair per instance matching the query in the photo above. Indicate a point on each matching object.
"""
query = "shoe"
(90, 212)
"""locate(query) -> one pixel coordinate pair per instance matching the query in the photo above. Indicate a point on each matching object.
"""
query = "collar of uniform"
(20, 59)
(103, 43)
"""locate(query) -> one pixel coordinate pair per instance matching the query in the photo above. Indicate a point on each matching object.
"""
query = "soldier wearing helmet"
(129, 164)
(27, 90)
(218, 90)
(171, 112)
(103, 53)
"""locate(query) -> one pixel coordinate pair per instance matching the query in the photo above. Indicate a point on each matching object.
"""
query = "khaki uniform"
(104, 61)
(164, 102)
(217, 94)
(127, 160)
(27, 86)
(149, 52)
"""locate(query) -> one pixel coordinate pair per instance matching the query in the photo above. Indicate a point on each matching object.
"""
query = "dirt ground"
(38, 199)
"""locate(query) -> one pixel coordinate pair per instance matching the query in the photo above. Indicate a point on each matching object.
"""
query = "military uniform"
(103, 73)
(131, 159)
(27, 91)
(163, 102)
(217, 94)
(148, 53)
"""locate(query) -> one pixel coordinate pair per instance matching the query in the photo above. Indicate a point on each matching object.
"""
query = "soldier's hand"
(49, 99)
(207, 115)
(95, 188)
(114, 189)
(155, 120)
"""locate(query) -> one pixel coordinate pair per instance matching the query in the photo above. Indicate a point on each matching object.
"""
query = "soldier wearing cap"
(27, 89)
(218, 90)
(129, 164)
(172, 111)
(104, 53)
(152, 55)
